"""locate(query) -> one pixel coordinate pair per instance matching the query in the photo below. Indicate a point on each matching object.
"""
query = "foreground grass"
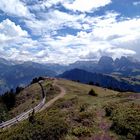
(79, 116)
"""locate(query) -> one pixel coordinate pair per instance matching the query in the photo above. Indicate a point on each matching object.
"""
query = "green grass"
(81, 116)
(31, 96)
(125, 119)
(27, 99)
(81, 90)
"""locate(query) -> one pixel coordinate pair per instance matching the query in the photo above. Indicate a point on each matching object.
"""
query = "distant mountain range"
(14, 73)
(106, 65)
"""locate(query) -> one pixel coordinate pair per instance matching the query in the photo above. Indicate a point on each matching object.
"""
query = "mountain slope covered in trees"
(103, 80)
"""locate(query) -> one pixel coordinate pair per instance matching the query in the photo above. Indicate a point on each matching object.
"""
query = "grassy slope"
(27, 99)
(81, 116)
(30, 97)
(81, 90)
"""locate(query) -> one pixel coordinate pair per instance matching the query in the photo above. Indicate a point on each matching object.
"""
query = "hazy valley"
(124, 73)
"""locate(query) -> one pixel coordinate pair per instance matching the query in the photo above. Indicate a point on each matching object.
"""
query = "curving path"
(62, 93)
(41, 106)
(26, 114)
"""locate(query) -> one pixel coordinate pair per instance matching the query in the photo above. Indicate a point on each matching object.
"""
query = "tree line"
(9, 97)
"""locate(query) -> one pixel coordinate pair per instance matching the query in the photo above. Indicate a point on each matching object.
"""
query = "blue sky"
(65, 31)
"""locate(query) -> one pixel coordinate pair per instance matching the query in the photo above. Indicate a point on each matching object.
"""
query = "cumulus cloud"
(42, 5)
(105, 38)
(86, 6)
(107, 29)
(53, 21)
(15, 7)
(56, 35)
(118, 52)
(136, 3)
(12, 39)
(74, 5)
(9, 30)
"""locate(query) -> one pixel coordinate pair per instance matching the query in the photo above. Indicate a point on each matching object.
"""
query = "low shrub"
(126, 120)
(54, 129)
(109, 108)
(81, 131)
(83, 107)
(67, 103)
(44, 128)
(92, 93)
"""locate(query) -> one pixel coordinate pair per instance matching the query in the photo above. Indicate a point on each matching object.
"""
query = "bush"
(81, 131)
(126, 120)
(55, 128)
(92, 93)
(47, 128)
(83, 107)
(67, 103)
(85, 118)
(109, 109)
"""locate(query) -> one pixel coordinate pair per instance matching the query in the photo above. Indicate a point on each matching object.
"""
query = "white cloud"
(74, 5)
(9, 31)
(118, 52)
(15, 7)
(53, 21)
(86, 6)
(136, 3)
(12, 39)
(123, 29)
(98, 35)
(42, 5)
(107, 37)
